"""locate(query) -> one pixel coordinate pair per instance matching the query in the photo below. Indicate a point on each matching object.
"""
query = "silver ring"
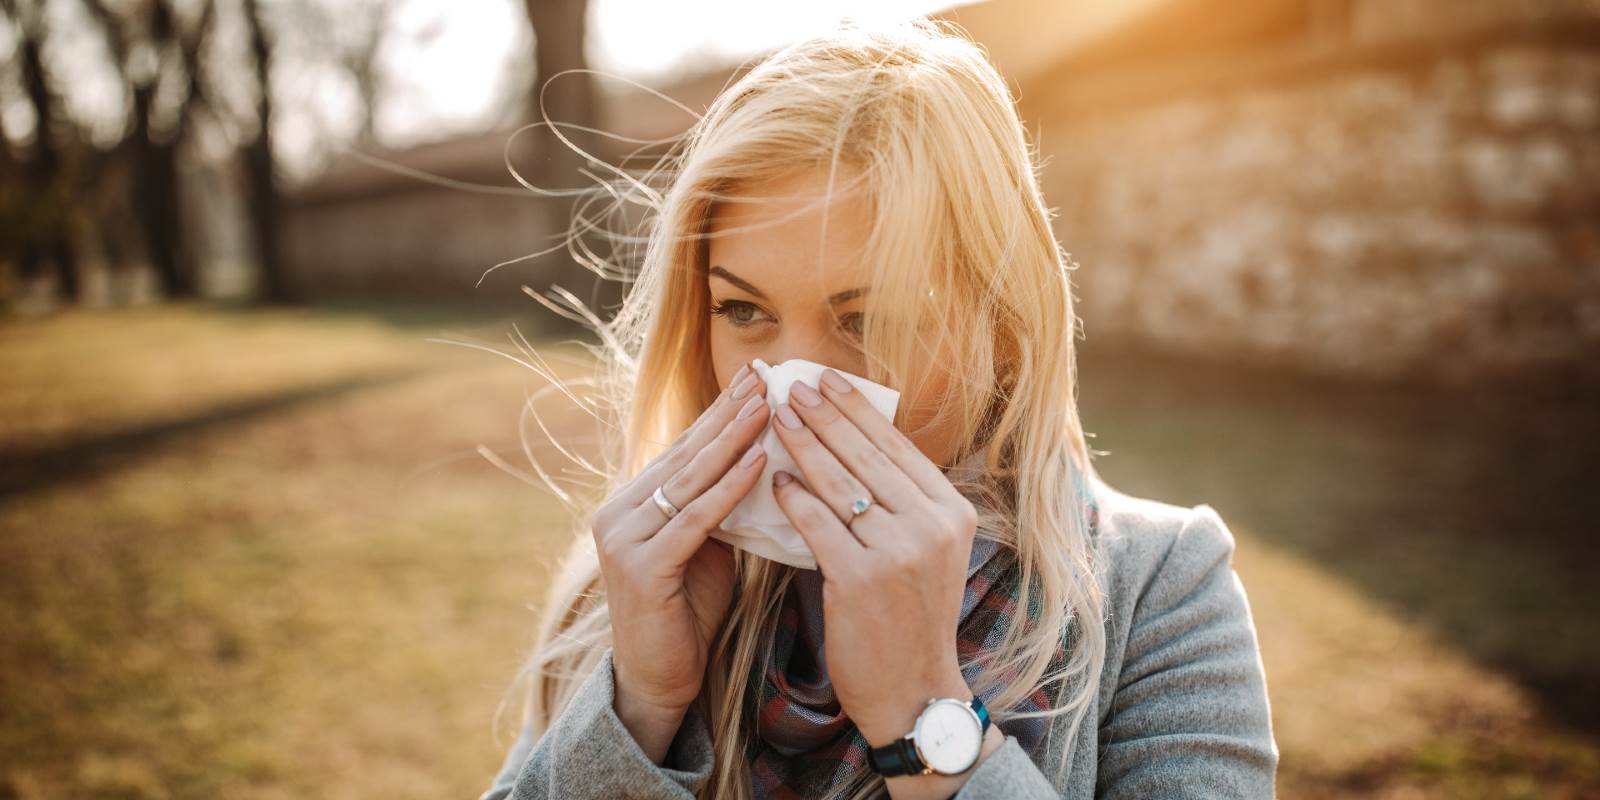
(663, 503)
(861, 504)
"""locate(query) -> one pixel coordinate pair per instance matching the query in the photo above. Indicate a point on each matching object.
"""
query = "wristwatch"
(946, 740)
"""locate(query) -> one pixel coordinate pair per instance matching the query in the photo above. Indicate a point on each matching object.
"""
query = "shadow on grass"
(1471, 511)
(27, 470)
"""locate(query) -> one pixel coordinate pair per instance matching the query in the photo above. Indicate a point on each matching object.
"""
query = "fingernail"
(750, 406)
(744, 369)
(744, 387)
(787, 416)
(835, 381)
(781, 478)
(807, 396)
(751, 455)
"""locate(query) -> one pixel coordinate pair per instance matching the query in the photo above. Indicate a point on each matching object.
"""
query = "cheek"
(727, 355)
(919, 412)
(921, 407)
(918, 421)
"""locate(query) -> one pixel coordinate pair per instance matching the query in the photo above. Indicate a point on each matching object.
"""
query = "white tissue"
(758, 524)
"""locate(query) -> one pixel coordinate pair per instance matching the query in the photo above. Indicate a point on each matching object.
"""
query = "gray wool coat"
(1181, 712)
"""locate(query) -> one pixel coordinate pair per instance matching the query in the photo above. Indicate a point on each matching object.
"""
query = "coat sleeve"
(1190, 717)
(588, 753)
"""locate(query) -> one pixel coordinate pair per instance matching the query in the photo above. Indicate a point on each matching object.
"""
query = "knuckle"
(604, 524)
(965, 524)
(899, 440)
(604, 519)
(950, 529)
(674, 488)
(944, 544)
(841, 486)
(681, 456)
(968, 513)
(905, 559)
(610, 549)
(695, 516)
(673, 450)
(878, 461)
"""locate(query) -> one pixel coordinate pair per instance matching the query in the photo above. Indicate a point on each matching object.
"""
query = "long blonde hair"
(960, 247)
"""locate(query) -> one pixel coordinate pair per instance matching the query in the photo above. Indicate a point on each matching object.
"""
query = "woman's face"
(779, 292)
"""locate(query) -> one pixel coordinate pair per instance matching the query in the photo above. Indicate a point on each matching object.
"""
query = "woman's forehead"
(791, 234)
(795, 203)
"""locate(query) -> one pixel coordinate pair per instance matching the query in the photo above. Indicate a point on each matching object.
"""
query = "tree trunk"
(560, 31)
(46, 183)
(262, 190)
(158, 201)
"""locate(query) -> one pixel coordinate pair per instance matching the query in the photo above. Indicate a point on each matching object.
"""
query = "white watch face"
(949, 736)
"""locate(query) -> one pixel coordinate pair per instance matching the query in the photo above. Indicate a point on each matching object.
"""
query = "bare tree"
(156, 132)
(359, 56)
(43, 215)
(260, 170)
(560, 35)
(351, 35)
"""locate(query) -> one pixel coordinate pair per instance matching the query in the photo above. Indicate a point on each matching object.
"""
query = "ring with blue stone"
(860, 505)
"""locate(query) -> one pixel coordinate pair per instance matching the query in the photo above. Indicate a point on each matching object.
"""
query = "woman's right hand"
(668, 584)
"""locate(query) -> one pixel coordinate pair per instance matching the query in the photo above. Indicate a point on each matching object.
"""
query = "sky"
(644, 37)
(451, 66)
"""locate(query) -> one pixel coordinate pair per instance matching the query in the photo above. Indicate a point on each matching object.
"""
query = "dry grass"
(253, 555)
(307, 584)
(1419, 563)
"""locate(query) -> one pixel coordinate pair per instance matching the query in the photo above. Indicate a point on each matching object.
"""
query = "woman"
(867, 200)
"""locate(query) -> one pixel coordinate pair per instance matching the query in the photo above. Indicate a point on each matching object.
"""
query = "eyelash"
(725, 309)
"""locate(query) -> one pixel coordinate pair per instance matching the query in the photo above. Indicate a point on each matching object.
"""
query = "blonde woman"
(989, 619)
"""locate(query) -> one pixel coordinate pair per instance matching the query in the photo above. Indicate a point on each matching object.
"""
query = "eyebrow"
(833, 300)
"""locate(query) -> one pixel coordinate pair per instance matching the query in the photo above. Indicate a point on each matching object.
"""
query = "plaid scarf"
(805, 743)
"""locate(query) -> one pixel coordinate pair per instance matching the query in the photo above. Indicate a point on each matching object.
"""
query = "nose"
(815, 348)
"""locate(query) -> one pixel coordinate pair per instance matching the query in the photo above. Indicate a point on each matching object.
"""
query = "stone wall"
(1389, 208)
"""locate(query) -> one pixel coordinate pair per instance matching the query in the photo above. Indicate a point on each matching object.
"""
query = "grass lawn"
(1419, 563)
(254, 554)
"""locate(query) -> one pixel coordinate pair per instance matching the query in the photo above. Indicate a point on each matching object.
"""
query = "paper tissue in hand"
(758, 524)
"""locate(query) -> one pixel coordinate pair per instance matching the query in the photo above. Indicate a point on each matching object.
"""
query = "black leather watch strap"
(898, 757)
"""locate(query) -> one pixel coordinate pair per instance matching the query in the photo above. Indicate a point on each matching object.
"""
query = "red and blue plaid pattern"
(806, 744)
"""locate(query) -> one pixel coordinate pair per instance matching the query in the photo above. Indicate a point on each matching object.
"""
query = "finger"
(718, 455)
(850, 447)
(706, 467)
(710, 422)
(825, 477)
(832, 544)
(678, 540)
(889, 440)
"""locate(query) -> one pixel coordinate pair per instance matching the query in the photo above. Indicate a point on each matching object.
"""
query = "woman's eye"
(736, 312)
(852, 324)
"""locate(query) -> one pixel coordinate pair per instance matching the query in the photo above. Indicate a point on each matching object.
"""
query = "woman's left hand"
(893, 578)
